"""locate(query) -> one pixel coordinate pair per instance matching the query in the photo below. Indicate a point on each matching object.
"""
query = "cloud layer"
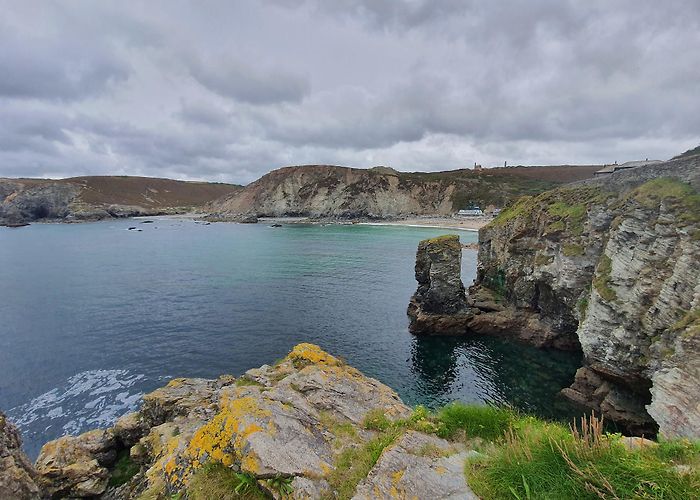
(230, 90)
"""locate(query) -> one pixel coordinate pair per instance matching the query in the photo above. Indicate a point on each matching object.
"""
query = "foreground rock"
(417, 463)
(17, 476)
(610, 265)
(290, 421)
(439, 306)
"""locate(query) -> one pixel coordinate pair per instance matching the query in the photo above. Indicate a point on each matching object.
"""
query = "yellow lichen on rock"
(311, 353)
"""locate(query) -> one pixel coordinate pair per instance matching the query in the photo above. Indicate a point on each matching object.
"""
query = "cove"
(94, 315)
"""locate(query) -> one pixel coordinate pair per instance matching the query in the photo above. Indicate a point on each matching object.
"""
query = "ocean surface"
(92, 316)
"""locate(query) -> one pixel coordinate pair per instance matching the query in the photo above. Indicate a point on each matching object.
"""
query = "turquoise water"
(94, 315)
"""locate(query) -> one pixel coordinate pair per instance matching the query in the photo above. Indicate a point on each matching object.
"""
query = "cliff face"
(331, 191)
(439, 306)
(17, 476)
(287, 428)
(94, 198)
(610, 264)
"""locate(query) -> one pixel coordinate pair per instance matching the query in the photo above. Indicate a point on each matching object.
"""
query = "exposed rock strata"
(17, 476)
(613, 265)
(291, 420)
(328, 191)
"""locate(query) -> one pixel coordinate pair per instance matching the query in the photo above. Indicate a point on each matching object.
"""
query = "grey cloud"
(236, 89)
(56, 67)
(245, 82)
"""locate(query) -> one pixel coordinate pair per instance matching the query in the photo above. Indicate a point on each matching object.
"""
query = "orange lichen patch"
(396, 477)
(441, 470)
(176, 382)
(313, 354)
(222, 440)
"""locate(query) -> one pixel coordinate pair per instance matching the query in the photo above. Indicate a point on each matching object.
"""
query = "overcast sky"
(229, 90)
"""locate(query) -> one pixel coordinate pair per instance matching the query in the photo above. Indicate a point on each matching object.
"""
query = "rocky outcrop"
(290, 423)
(339, 192)
(439, 306)
(611, 265)
(17, 476)
(415, 463)
(95, 198)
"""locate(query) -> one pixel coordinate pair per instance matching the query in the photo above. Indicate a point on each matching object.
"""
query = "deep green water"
(94, 315)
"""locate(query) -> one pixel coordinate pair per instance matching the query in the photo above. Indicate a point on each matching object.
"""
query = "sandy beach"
(465, 224)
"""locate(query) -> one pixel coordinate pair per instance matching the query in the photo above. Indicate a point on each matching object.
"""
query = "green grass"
(245, 381)
(573, 250)
(671, 191)
(124, 469)
(487, 422)
(548, 461)
(354, 463)
(215, 480)
(601, 282)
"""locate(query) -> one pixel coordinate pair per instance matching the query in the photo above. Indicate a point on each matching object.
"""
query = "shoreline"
(472, 224)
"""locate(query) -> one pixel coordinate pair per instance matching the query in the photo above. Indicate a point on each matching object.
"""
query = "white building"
(470, 212)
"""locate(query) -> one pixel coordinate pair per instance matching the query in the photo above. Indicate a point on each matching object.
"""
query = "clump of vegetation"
(652, 193)
(543, 259)
(601, 282)
(496, 282)
(582, 306)
(536, 459)
(487, 422)
(573, 250)
(688, 324)
(246, 382)
(354, 463)
(124, 469)
(215, 480)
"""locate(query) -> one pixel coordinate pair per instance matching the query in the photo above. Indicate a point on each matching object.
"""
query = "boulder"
(68, 468)
(417, 466)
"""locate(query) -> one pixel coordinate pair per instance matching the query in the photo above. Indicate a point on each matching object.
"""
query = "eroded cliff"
(333, 191)
(611, 265)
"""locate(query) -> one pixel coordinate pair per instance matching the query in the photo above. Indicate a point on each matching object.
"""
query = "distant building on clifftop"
(609, 169)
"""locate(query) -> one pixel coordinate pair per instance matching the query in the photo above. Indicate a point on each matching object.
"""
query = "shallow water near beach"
(95, 315)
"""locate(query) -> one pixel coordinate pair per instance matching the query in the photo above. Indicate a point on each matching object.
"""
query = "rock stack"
(439, 306)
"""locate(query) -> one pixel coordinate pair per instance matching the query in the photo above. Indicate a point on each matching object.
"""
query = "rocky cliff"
(285, 431)
(439, 305)
(94, 198)
(17, 476)
(611, 265)
(332, 191)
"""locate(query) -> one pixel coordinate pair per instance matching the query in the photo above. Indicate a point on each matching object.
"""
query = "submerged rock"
(439, 306)
(17, 476)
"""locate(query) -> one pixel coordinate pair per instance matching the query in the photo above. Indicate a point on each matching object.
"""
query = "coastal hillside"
(608, 266)
(381, 192)
(99, 197)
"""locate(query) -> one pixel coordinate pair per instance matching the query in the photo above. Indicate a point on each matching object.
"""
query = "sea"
(94, 315)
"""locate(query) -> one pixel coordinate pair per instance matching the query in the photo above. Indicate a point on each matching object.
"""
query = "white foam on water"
(88, 400)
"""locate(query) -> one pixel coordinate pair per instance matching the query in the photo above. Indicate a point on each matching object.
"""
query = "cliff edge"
(611, 265)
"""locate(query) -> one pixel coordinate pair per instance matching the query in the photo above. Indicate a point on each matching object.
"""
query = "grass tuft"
(545, 460)
(215, 480)
(124, 469)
